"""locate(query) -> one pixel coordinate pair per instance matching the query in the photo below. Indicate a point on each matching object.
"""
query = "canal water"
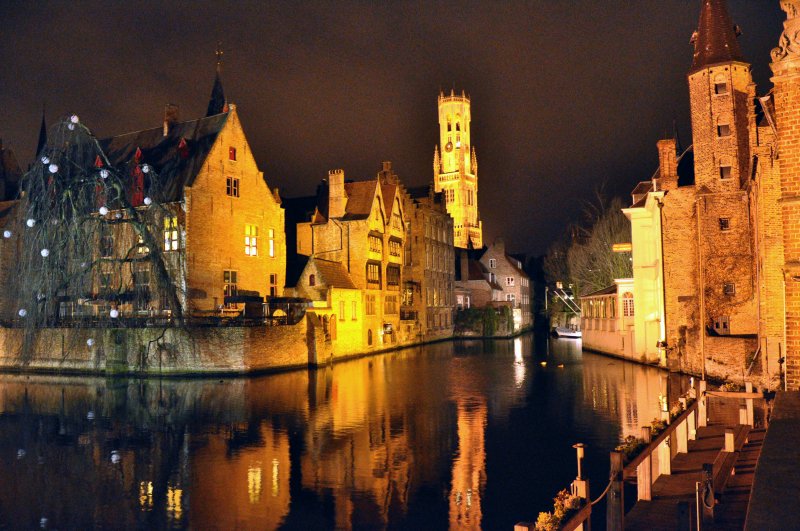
(460, 435)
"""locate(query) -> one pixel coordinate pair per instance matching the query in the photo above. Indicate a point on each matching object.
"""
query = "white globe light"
(45, 253)
(148, 201)
(118, 215)
(22, 312)
(103, 211)
(74, 118)
(6, 234)
(31, 222)
(114, 313)
(45, 160)
(90, 415)
(145, 168)
(103, 173)
(71, 127)
(53, 168)
(90, 342)
(115, 457)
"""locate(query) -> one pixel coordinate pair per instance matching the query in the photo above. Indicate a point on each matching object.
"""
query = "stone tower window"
(725, 171)
(720, 85)
(723, 130)
(312, 280)
(724, 224)
(729, 288)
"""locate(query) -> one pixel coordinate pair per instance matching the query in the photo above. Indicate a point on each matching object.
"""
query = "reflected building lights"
(174, 503)
(254, 484)
(276, 486)
(519, 363)
(146, 495)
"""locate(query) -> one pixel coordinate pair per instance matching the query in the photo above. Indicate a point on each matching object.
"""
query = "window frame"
(232, 188)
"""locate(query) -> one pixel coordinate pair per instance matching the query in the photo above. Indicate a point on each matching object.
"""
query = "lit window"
(627, 304)
(724, 172)
(171, 233)
(374, 275)
(375, 244)
(394, 248)
(230, 289)
(273, 285)
(272, 243)
(723, 130)
(729, 288)
(251, 240)
(724, 224)
(231, 153)
(232, 187)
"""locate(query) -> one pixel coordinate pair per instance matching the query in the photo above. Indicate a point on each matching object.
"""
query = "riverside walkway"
(673, 504)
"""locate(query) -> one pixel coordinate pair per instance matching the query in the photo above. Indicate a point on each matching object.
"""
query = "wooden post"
(644, 473)
(748, 386)
(615, 501)
(580, 488)
(729, 445)
(691, 425)
(743, 415)
(682, 436)
(664, 457)
(702, 414)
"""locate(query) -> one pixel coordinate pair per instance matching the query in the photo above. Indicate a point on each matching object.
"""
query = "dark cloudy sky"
(566, 94)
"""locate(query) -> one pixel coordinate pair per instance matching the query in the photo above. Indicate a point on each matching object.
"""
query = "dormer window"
(231, 153)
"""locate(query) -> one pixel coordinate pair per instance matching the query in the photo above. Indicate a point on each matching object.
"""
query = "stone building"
(475, 287)
(715, 231)
(227, 225)
(455, 170)
(507, 271)
(429, 282)
(361, 225)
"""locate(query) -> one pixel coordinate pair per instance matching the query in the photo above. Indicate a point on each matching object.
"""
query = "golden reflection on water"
(365, 437)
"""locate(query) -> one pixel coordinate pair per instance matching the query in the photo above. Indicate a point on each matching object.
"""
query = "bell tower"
(455, 170)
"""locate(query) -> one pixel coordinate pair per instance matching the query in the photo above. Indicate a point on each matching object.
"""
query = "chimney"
(667, 164)
(336, 197)
(170, 117)
(463, 262)
(386, 175)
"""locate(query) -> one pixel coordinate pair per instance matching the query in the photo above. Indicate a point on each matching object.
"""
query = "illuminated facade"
(455, 170)
(607, 320)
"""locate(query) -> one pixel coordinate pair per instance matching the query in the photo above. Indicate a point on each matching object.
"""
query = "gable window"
(723, 130)
(250, 240)
(312, 280)
(271, 235)
(171, 233)
(724, 172)
(230, 289)
(232, 186)
(729, 288)
(509, 281)
(231, 153)
(724, 224)
(493, 263)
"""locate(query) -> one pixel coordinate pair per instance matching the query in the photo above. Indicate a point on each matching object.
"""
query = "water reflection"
(461, 435)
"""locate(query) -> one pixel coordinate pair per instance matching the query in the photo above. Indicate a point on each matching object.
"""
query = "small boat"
(561, 331)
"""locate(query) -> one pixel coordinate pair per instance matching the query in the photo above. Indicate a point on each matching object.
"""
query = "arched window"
(369, 337)
(312, 280)
(627, 304)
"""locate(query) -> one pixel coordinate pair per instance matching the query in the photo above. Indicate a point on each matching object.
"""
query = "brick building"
(225, 235)
(507, 271)
(715, 231)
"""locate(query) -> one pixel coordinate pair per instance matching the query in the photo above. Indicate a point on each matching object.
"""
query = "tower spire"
(42, 134)
(217, 103)
(715, 40)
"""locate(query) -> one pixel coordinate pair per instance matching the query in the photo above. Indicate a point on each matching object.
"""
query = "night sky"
(566, 94)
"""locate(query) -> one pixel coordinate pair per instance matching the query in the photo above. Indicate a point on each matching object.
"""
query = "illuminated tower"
(455, 170)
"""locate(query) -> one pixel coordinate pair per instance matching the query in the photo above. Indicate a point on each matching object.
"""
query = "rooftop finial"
(219, 54)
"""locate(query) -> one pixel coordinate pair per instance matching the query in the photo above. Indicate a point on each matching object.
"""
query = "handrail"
(630, 467)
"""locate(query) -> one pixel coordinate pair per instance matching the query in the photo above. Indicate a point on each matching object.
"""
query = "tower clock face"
(448, 147)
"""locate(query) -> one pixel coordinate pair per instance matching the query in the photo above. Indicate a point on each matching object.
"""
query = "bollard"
(691, 425)
(644, 472)
(702, 415)
(682, 436)
(615, 502)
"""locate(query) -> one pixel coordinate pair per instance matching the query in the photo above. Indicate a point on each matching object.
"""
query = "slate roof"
(333, 274)
(610, 290)
(716, 40)
(175, 166)
(360, 196)
(388, 191)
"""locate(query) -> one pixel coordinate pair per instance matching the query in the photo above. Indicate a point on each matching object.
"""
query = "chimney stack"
(170, 117)
(667, 164)
(336, 197)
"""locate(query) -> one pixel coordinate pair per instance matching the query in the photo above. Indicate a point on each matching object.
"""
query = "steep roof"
(715, 41)
(333, 274)
(176, 157)
(360, 196)
(388, 191)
